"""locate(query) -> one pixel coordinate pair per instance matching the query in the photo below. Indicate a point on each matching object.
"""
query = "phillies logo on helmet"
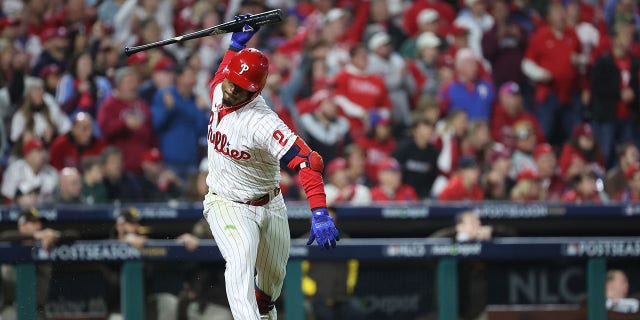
(243, 67)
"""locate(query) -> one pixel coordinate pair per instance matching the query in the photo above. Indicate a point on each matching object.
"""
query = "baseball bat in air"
(256, 20)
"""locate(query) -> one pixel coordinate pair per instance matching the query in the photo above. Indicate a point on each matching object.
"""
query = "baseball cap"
(583, 129)
(389, 164)
(375, 118)
(49, 70)
(53, 33)
(335, 165)
(378, 40)
(458, 31)
(631, 171)
(427, 16)
(28, 215)
(130, 215)
(31, 145)
(164, 64)
(527, 174)
(334, 14)
(498, 151)
(427, 40)
(138, 58)
(27, 187)
(467, 161)
(510, 88)
(152, 155)
(542, 149)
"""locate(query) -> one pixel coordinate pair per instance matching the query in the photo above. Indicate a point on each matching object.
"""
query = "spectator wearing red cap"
(157, 183)
(496, 182)
(69, 149)
(140, 62)
(526, 142)
(463, 186)
(551, 62)
(508, 111)
(378, 144)
(458, 38)
(50, 74)
(341, 189)
(39, 114)
(632, 174)
(163, 76)
(55, 44)
(468, 91)
(528, 188)
(583, 144)
(418, 157)
(125, 120)
(31, 167)
(614, 84)
(179, 123)
(503, 46)
(584, 189)
(390, 186)
(546, 162)
(80, 89)
(445, 11)
(475, 18)
(359, 93)
(615, 181)
(327, 131)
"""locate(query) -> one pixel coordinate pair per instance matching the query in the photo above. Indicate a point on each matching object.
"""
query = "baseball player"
(247, 143)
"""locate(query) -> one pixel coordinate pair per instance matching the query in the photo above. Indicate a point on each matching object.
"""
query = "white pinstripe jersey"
(244, 149)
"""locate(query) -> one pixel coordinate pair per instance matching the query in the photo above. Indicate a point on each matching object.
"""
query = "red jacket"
(404, 193)
(455, 191)
(555, 56)
(569, 152)
(66, 153)
(132, 143)
(502, 126)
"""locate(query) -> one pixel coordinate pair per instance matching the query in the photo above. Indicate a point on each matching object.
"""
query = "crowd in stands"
(405, 100)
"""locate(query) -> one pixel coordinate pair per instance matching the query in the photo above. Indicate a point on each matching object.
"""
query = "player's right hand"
(239, 39)
(323, 231)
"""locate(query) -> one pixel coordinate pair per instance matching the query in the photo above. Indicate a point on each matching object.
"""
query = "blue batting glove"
(322, 229)
(239, 39)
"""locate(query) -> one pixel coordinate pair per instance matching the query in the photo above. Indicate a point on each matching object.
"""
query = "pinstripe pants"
(253, 241)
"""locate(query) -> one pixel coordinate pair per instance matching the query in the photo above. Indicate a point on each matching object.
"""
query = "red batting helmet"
(248, 69)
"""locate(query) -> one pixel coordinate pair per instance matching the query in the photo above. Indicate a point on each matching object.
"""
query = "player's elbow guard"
(300, 156)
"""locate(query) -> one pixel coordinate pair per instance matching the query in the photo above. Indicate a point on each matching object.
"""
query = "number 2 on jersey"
(280, 137)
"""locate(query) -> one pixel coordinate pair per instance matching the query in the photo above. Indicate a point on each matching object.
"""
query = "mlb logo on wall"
(572, 249)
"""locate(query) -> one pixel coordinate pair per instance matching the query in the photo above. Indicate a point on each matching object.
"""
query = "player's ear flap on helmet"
(315, 161)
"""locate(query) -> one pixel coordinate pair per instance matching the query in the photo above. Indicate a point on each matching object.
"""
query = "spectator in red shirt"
(633, 181)
(358, 93)
(552, 183)
(509, 111)
(390, 186)
(583, 144)
(444, 9)
(68, 150)
(464, 185)
(614, 84)
(550, 61)
(378, 144)
(125, 120)
(584, 189)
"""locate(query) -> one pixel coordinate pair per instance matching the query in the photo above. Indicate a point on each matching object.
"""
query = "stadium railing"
(593, 251)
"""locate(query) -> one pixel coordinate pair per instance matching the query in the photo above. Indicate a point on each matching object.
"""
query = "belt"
(263, 199)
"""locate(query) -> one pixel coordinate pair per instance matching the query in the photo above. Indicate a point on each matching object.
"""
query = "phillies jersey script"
(231, 144)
